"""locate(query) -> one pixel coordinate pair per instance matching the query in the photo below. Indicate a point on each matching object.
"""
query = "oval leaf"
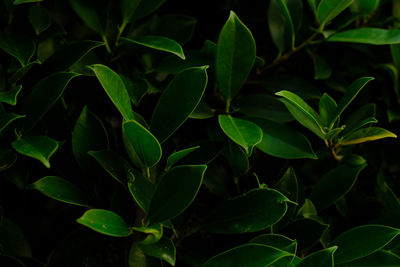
(236, 53)
(178, 155)
(373, 36)
(278, 241)
(39, 18)
(320, 258)
(61, 190)
(175, 191)
(158, 43)
(381, 258)
(365, 135)
(329, 9)
(142, 190)
(164, 250)
(178, 101)
(20, 47)
(37, 147)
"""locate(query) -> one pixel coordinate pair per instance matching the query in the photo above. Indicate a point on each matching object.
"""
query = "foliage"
(218, 133)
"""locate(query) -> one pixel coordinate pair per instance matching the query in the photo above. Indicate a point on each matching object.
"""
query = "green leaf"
(22, 71)
(145, 8)
(18, 2)
(42, 97)
(348, 96)
(307, 232)
(178, 155)
(252, 212)
(88, 12)
(128, 8)
(249, 255)
(175, 191)
(372, 36)
(164, 250)
(13, 240)
(362, 241)
(365, 135)
(20, 47)
(380, 258)
(202, 111)
(289, 185)
(322, 257)
(39, 18)
(37, 147)
(387, 196)
(354, 127)
(61, 190)
(328, 9)
(365, 7)
(242, 132)
(10, 97)
(302, 112)
(105, 222)
(7, 118)
(277, 241)
(236, 158)
(158, 43)
(322, 70)
(282, 141)
(113, 163)
(236, 53)
(313, 5)
(308, 210)
(136, 89)
(155, 233)
(363, 113)
(141, 146)
(334, 184)
(115, 89)
(142, 190)
(88, 134)
(327, 110)
(177, 102)
(7, 158)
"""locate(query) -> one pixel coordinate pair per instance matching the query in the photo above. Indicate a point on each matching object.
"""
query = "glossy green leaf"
(327, 109)
(141, 146)
(10, 97)
(178, 155)
(322, 70)
(362, 241)
(277, 241)
(113, 163)
(145, 8)
(128, 8)
(236, 158)
(115, 89)
(13, 240)
(254, 211)
(7, 118)
(42, 97)
(7, 158)
(372, 36)
(380, 258)
(302, 112)
(334, 184)
(37, 147)
(141, 189)
(366, 135)
(20, 47)
(39, 18)
(322, 257)
(251, 255)
(329, 9)
(177, 102)
(88, 134)
(354, 127)
(105, 222)
(88, 12)
(164, 250)
(61, 190)
(154, 231)
(175, 191)
(18, 2)
(158, 43)
(282, 141)
(236, 53)
(242, 132)
(348, 96)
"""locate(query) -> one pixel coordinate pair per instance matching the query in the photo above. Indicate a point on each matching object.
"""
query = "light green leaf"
(236, 53)
(329, 9)
(175, 191)
(158, 43)
(365, 135)
(252, 212)
(178, 155)
(141, 189)
(88, 12)
(10, 97)
(88, 134)
(20, 47)
(37, 147)
(115, 89)
(39, 18)
(142, 147)
(249, 255)
(7, 158)
(373, 36)
(7, 118)
(322, 257)
(105, 222)
(302, 112)
(380, 258)
(327, 109)
(61, 190)
(178, 101)
(164, 250)
(362, 241)
(242, 132)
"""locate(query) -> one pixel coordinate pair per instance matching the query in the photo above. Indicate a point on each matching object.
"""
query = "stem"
(106, 43)
(228, 105)
(120, 30)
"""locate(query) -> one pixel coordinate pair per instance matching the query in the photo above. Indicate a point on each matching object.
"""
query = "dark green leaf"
(250, 255)
(88, 12)
(159, 43)
(136, 89)
(88, 134)
(288, 184)
(254, 211)
(10, 97)
(178, 155)
(362, 114)
(115, 89)
(128, 8)
(145, 8)
(177, 102)
(373, 36)
(365, 135)
(37, 147)
(61, 190)
(12, 239)
(10, 261)
(380, 258)
(334, 184)
(322, 70)
(236, 53)
(329, 9)
(277, 241)
(327, 109)
(202, 111)
(22, 71)
(155, 233)
(308, 210)
(7, 118)
(105, 222)
(39, 18)
(387, 196)
(20, 47)
(142, 190)
(205, 154)
(365, 7)
(320, 258)
(163, 249)
(362, 241)
(236, 158)
(18, 2)
(175, 191)
(7, 158)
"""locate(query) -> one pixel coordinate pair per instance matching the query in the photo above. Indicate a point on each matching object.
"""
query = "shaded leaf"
(327, 109)
(141, 189)
(136, 89)
(18, 2)
(13, 240)
(145, 8)
(7, 158)
(22, 71)
(277, 241)
(10, 97)
(163, 249)
(88, 12)
(322, 257)
(329, 9)
(322, 70)
(155, 233)
(158, 43)
(380, 258)
(128, 8)
(20, 47)
(236, 158)
(373, 36)
(178, 155)
(365, 135)
(39, 18)
(288, 184)
(7, 118)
